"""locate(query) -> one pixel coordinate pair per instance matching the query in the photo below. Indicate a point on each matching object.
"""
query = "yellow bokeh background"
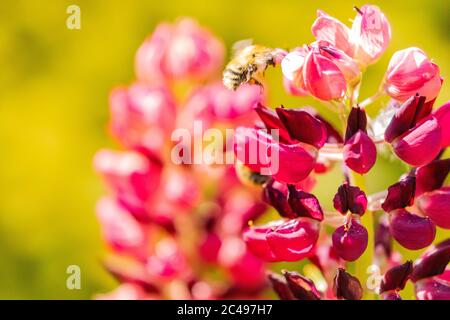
(54, 85)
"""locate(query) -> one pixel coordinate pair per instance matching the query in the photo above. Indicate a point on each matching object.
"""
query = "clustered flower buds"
(159, 222)
(165, 220)
(408, 212)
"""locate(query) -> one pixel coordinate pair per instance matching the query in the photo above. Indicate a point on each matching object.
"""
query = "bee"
(248, 64)
(248, 177)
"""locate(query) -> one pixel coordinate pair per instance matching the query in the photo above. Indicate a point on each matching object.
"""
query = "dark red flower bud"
(436, 206)
(411, 231)
(301, 287)
(396, 277)
(280, 286)
(349, 198)
(433, 262)
(360, 153)
(432, 176)
(400, 195)
(304, 204)
(276, 195)
(271, 121)
(303, 126)
(383, 238)
(346, 286)
(357, 121)
(350, 242)
(406, 117)
(294, 239)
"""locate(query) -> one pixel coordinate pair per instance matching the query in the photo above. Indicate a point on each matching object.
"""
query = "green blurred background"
(54, 85)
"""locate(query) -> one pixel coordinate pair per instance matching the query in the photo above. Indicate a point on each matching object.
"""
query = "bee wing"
(240, 45)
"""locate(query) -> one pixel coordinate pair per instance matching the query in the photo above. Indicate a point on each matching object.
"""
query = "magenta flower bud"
(304, 204)
(183, 50)
(346, 286)
(360, 153)
(167, 261)
(421, 144)
(301, 287)
(293, 240)
(330, 29)
(390, 296)
(432, 176)
(142, 116)
(433, 262)
(350, 241)
(436, 206)
(256, 239)
(280, 286)
(272, 122)
(432, 289)
(383, 238)
(371, 32)
(132, 177)
(276, 195)
(285, 163)
(120, 230)
(406, 116)
(396, 277)
(409, 72)
(349, 198)
(322, 78)
(303, 127)
(411, 231)
(149, 62)
(357, 121)
(400, 195)
(443, 116)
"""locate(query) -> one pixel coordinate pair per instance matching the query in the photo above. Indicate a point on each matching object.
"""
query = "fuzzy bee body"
(249, 177)
(247, 66)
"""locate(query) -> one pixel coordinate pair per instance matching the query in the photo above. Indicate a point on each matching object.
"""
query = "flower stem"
(372, 99)
(366, 260)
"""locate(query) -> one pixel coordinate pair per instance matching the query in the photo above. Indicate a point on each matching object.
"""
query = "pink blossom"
(142, 116)
(120, 230)
(132, 177)
(182, 50)
(330, 29)
(167, 261)
(411, 72)
(322, 78)
(371, 34)
(348, 66)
